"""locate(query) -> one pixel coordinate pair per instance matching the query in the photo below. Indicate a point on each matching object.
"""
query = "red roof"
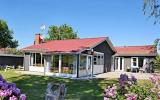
(66, 46)
(136, 50)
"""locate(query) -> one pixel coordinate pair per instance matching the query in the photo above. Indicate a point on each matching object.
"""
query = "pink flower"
(131, 96)
(22, 97)
(148, 98)
(110, 92)
(13, 98)
(158, 94)
(155, 78)
(105, 98)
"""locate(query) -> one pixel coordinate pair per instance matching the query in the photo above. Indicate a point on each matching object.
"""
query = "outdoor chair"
(135, 70)
(10, 67)
(21, 67)
(55, 91)
(141, 70)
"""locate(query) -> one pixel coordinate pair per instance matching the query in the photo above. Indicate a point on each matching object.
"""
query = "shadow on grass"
(35, 86)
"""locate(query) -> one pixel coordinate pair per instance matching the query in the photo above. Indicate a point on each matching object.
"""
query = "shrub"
(128, 89)
(157, 62)
(9, 91)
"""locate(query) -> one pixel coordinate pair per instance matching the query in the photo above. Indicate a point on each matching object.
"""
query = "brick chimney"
(38, 39)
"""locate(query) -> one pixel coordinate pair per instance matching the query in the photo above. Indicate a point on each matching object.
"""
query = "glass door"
(89, 64)
(119, 64)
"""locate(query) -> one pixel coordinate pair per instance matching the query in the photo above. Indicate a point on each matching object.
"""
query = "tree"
(151, 8)
(6, 38)
(157, 62)
(156, 42)
(61, 32)
(14, 51)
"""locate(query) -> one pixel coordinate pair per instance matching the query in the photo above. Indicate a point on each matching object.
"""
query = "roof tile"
(66, 46)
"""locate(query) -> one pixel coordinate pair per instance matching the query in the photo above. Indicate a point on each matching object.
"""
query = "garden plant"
(9, 91)
(128, 89)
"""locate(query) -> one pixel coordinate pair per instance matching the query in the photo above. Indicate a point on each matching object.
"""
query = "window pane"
(68, 64)
(37, 59)
(98, 59)
(83, 62)
(134, 61)
(55, 64)
(134, 64)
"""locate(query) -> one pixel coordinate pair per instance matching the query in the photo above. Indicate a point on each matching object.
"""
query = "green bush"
(157, 63)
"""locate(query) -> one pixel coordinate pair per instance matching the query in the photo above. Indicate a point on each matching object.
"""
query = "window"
(68, 64)
(95, 60)
(37, 60)
(116, 64)
(55, 64)
(99, 59)
(83, 62)
(134, 61)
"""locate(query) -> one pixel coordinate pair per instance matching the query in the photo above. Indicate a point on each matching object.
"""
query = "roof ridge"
(135, 46)
(76, 39)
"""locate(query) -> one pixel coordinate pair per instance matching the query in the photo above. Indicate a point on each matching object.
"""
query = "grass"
(35, 86)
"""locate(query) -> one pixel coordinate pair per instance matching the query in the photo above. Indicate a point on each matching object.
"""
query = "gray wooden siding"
(127, 60)
(105, 48)
(127, 63)
(26, 62)
(11, 60)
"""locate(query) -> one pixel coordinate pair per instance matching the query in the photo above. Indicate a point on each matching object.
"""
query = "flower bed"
(128, 89)
(9, 91)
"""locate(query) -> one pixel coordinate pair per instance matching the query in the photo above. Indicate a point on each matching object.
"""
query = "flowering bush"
(111, 92)
(156, 81)
(128, 89)
(9, 91)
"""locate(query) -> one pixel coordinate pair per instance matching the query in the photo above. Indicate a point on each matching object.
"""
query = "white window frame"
(32, 61)
(119, 64)
(101, 62)
(132, 62)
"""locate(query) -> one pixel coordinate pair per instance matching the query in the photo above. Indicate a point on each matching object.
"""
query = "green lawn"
(34, 86)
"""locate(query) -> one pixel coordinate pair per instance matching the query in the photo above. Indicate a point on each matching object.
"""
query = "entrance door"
(89, 64)
(119, 64)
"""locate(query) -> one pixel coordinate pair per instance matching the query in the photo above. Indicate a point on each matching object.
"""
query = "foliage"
(128, 89)
(61, 32)
(14, 51)
(157, 62)
(152, 8)
(6, 38)
(156, 81)
(156, 42)
(9, 91)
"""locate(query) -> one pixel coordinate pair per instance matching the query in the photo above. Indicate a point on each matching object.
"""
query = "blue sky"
(121, 20)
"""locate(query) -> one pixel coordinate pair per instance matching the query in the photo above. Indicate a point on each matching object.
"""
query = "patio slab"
(108, 75)
(30, 73)
(113, 75)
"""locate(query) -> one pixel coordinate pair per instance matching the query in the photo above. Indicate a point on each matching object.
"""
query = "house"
(6, 58)
(133, 57)
(69, 58)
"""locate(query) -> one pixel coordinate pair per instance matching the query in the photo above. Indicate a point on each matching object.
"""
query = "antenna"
(42, 29)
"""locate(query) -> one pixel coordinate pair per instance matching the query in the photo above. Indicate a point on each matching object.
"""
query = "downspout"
(78, 64)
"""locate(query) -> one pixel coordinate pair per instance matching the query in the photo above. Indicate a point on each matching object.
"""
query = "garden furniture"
(55, 91)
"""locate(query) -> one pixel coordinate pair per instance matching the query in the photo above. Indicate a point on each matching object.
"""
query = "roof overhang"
(107, 40)
(136, 55)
